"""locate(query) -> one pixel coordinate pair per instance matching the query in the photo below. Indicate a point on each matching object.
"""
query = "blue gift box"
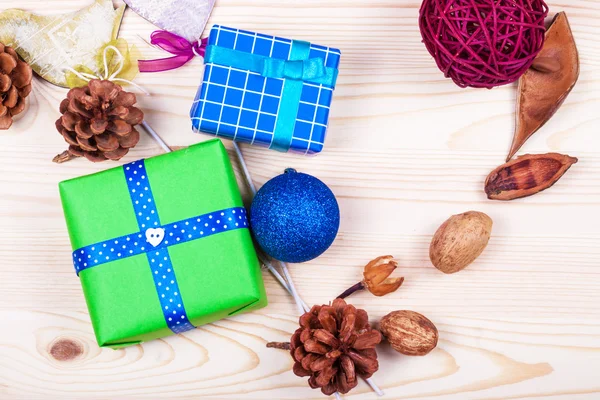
(266, 90)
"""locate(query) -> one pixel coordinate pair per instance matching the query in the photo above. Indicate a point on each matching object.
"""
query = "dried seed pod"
(546, 85)
(409, 333)
(460, 240)
(527, 175)
(377, 274)
(376, 278)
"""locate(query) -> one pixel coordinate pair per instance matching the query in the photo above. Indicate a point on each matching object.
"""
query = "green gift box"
(162, 245)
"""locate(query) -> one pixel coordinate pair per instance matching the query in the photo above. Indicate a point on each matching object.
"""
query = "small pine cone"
(15, 85)
(334, 346)
(98, 121)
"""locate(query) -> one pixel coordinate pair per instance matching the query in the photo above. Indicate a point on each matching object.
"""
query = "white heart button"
(155, 236)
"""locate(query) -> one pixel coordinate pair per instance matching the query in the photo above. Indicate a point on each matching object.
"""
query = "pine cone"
(334, 345)
(98, 121)
(15, 85)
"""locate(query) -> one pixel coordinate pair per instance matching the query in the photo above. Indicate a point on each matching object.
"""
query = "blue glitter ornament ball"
(295, 217)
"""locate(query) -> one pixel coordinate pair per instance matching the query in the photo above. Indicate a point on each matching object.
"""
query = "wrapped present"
(162, 245)
(266, 90)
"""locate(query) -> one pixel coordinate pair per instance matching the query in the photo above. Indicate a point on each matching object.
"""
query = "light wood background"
(406, 149)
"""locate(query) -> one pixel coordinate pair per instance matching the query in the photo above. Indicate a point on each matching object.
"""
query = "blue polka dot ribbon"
(154, 239)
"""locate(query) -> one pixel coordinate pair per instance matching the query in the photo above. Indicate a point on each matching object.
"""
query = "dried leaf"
(546, 85)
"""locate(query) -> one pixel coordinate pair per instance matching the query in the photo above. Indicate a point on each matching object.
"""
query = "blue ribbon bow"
(302, 70)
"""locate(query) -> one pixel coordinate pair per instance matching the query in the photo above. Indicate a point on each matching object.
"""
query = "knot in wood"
(66, 349)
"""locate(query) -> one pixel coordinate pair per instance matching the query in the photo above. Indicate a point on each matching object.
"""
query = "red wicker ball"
(483, 43)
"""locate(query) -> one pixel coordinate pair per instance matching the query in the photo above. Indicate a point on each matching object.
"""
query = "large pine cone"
(334, 345)
(98, 121)
(15, 85)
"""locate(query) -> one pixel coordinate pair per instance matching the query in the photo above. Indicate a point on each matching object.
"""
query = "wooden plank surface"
(406, 149)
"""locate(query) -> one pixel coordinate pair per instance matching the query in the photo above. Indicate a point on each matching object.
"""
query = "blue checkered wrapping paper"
(244, 105)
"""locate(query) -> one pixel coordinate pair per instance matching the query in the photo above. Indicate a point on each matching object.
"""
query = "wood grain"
(406, 149)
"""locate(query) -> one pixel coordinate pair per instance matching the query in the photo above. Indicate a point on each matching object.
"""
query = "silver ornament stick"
(156, 137)
(284, 267)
